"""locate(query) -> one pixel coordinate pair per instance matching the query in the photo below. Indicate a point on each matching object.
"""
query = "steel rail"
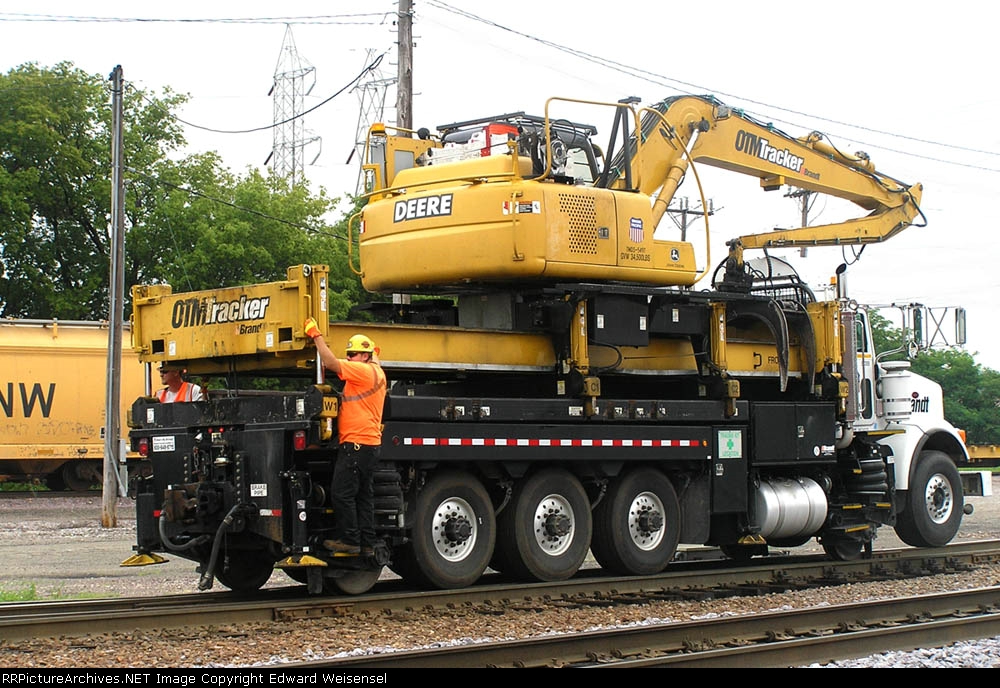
(776, 639)
(683, 580)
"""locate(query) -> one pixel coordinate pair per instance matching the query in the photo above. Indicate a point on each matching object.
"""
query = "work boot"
(340, 547)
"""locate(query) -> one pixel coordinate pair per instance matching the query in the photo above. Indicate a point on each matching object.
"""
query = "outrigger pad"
(146, 559)
(299, 561)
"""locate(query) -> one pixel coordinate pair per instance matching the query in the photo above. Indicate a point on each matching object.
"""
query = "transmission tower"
(294, 79)
(371, 98)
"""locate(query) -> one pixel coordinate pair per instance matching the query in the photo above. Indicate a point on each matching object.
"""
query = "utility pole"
(116, 284)
(404, 84)
(404, 87)
(684, 212)
(803, 195)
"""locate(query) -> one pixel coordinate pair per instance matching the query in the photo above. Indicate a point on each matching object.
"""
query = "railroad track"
(778, 639)
(698, 579)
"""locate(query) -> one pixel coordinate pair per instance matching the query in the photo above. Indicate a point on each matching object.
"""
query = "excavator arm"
(677, 131)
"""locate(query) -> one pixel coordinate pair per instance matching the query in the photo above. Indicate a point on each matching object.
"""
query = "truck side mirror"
(918, 327)
(960, 326)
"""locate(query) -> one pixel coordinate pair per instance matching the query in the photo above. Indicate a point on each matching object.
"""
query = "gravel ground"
(57, 548)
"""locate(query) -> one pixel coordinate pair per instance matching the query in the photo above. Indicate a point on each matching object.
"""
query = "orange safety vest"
(360, 416)
(182, 393)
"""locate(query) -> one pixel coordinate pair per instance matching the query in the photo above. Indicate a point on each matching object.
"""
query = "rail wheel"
(299, 575)
(404, 565)
(453, 533)
(544, 533)
(637, 525)
(842, 548)
(934, 503)
(80, 476)
(738, 552)
(354, 582)
(244, 571)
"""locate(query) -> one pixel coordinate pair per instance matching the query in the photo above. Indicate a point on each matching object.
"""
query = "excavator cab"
(512, 201)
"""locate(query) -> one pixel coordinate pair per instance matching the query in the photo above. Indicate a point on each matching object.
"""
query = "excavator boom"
(682, 130)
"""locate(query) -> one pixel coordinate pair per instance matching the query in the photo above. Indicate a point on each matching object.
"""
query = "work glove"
(312, 328)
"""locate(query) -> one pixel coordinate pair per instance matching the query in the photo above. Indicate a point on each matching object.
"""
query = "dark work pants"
(352, 495)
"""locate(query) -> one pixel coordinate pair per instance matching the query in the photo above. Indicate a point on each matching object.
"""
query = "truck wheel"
(453, 532)
(544, 533)
(934, 503)
(244, 571)
(637, 525)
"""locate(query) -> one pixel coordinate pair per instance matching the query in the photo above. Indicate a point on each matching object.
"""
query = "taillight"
(144, 447)
(299, 440)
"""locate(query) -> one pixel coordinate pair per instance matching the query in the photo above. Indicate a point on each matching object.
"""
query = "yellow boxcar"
(53, 392)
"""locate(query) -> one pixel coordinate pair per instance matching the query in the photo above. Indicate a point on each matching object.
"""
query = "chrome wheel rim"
(554, 524)
(939, 498)
(645, 521)
(453, 529)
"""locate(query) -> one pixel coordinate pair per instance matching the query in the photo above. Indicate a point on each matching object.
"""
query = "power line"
(251, 211)
(370, 67)
(316, 19)
(695, 88)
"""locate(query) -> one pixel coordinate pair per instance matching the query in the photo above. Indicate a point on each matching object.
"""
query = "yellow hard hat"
(361, 344)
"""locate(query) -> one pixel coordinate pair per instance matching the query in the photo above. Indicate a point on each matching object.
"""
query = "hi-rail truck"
(569, 391)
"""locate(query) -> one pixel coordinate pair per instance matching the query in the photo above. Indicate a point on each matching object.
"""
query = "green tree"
(190, 222)
(55, 143)
(971, 391)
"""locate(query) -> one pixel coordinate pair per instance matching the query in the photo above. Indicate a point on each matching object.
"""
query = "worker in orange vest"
(177, 388)
(360, 427)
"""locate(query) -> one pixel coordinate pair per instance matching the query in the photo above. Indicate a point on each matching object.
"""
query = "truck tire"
(544, 533)
(637, 525)
(454, 531)
(933, 510)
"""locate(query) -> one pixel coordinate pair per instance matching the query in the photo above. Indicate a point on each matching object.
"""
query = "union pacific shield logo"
(635, 231)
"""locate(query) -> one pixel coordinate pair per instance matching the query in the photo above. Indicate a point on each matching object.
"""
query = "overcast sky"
(908, 83)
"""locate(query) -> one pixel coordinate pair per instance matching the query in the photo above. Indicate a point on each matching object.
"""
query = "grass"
(29, 593)
(23, 487)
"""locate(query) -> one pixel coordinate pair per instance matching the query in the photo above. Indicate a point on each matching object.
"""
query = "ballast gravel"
(56, 547)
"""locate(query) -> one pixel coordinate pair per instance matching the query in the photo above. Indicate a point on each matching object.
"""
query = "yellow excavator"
(534, 200)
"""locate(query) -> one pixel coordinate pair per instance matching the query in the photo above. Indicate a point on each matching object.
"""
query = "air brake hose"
(205, 582)
(165, 539)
